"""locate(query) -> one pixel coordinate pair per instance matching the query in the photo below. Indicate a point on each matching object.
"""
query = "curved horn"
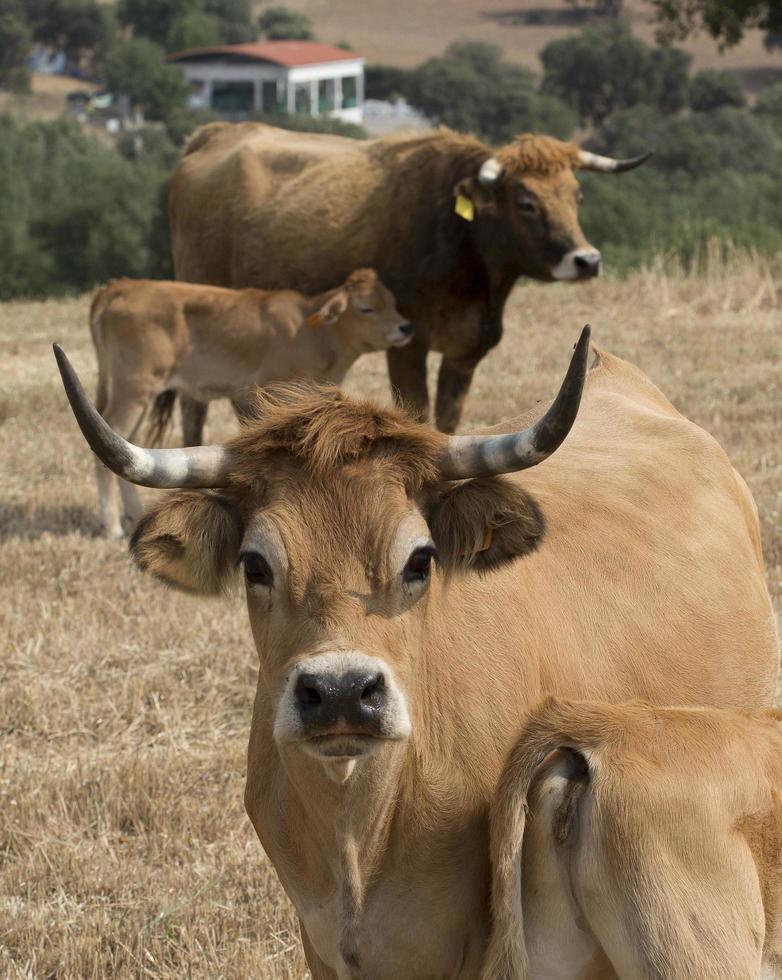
(470, 456)
(608, 165)
(490, 172)
(197, 466)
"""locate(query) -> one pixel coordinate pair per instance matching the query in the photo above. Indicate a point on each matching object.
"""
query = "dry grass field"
(124, 708)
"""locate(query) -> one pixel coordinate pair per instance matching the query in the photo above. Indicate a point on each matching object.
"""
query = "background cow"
(408, 601)
(654, 846)
(156, 339)
(252, 205)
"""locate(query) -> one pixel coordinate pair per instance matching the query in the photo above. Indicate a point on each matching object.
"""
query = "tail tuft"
(160, 417)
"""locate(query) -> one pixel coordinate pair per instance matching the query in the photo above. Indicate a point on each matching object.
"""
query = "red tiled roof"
(288, 53)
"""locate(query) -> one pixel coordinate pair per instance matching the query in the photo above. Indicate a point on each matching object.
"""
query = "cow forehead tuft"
(321, 428)
(533, 153)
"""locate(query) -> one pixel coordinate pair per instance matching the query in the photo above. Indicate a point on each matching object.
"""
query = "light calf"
(652, 846)
(156, 339)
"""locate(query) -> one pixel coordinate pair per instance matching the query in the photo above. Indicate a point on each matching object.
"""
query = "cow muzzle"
(341, 706)
(580, 263)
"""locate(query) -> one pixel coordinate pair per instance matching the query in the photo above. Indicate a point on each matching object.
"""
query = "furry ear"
(190, 541)
(331, 310)
(480, 198)
(481, 524)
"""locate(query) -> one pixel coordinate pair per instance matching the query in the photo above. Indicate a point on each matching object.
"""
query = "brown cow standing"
(654, 846)
(252, 205)
(408, 602)
(156, 339)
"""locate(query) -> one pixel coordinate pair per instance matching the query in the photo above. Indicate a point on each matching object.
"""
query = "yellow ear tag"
(464, 207)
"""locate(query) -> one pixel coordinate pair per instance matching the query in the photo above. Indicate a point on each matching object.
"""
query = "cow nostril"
(587, 262)
(375, 686)
(310, 696)
(406, 329)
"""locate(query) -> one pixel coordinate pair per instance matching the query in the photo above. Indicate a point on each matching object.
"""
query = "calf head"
(343, 519)
(525, 204)
(363, 314)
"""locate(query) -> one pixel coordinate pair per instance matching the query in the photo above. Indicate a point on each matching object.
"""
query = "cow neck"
(343, 831)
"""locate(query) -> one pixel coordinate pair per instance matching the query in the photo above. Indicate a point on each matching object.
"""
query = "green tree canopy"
(710, 89)
(138, 69)
(153, 18)
(725, 20)
(473, 89)
(284, 24)
(196, 30)
(604, 68)
(15, 40)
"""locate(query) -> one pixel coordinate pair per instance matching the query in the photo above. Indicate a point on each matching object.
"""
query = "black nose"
(406, 329)
(356, 699)
(587, 264)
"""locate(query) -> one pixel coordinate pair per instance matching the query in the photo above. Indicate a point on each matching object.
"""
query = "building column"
(360, 90)
(290, 102)
(337, 93)
(257, 104)
(314, 107)
(207, 93)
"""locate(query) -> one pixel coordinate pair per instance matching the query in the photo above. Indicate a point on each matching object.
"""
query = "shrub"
(711, 89)
(282, 24)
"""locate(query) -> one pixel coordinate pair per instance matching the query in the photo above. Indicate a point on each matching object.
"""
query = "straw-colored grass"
(125, 708)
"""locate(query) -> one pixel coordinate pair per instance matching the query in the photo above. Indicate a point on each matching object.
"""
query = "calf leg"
(193, 419)
(407, 371)
(453, 383)
(124, 418)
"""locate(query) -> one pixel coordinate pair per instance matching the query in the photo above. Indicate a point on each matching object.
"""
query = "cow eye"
(526, 206)
(366, 309)
(419, 564)
(256, 569)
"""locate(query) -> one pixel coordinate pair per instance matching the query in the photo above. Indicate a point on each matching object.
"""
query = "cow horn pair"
(210, 466)
(491, 169)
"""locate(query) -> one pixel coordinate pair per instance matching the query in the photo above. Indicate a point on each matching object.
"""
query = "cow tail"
(160, 417)
(544, 731)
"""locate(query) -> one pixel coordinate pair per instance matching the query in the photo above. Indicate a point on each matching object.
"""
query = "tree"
(283, 24)
(71, 25)
(138, 69)
(472, 88)
(725, 20)
(604, 68)
(710, 89)
(153, 18)
(15, 39)
(196, 30)
(769, 106)
(234, 18)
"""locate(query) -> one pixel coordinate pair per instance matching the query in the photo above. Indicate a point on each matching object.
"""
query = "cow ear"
(331, 310)
(478, 197)
(190, 541)
(481, 524)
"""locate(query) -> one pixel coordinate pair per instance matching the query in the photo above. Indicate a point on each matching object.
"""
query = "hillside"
(125, 707)
(405, 32)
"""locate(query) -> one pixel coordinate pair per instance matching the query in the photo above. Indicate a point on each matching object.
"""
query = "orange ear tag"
(314, 320)
(488, 537)
(464, 207)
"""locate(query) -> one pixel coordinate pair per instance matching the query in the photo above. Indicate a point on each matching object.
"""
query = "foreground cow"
(408, 602)
(654, 847)
(155, 340)
(252, 205)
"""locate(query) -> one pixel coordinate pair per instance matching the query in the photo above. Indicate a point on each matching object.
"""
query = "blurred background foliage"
(76, 209)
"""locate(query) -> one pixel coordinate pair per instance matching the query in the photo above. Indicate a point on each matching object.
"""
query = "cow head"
(345, 521)
(363, 314)
(525, 202)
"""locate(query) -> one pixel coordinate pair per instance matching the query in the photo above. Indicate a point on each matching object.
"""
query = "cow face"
(342, 551)
(363, 313)
(345, 519)
(523, 203)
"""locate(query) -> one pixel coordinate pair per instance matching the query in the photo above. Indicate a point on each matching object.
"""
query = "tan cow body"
(205, 342)
(653, 849)
(627, 565)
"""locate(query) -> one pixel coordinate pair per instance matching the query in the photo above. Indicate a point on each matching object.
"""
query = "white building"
(275, 76)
